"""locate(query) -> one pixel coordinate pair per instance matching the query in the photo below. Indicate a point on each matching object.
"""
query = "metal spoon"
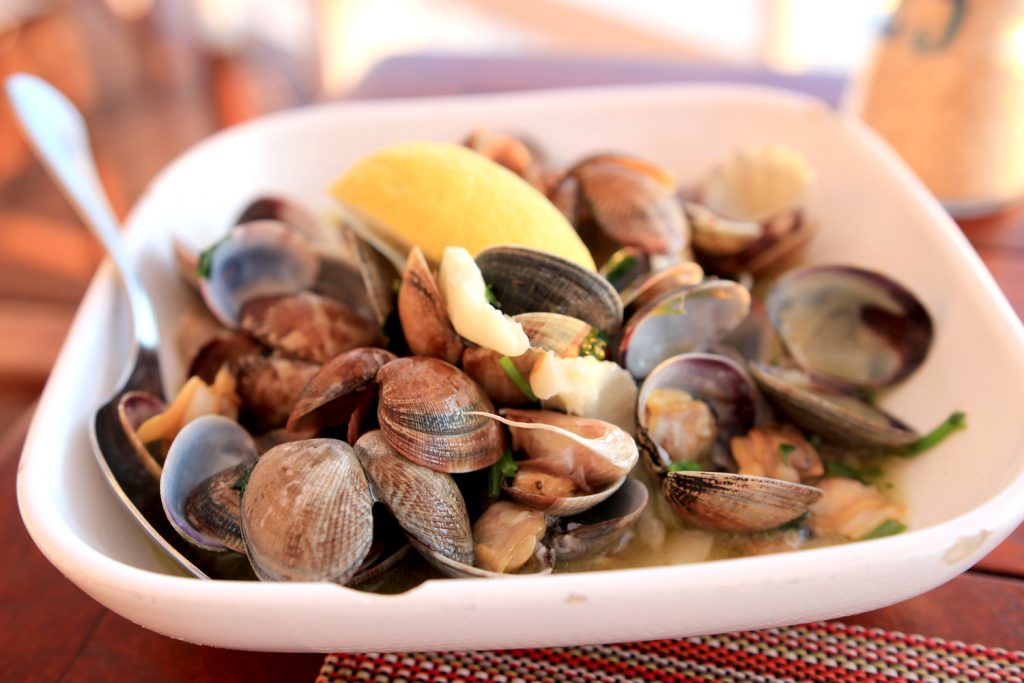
(58, 135)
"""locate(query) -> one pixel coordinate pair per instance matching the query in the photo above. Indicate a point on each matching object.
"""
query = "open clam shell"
(850, 325)
(207, 457)
(308, 326)
(314, 490)
(428, 412)
(757, 182)
(677, 277)
(542, 562)
(421, 310)
(720, 501)
(594, 454)
(842, 418)
(632, 201)
(269, 386)
(602, 528)
(681, 322)
(715, 380)
(529, 281)
(427, 504)
(255, 260)
(331, 396)
(563, 335)
(134, 408)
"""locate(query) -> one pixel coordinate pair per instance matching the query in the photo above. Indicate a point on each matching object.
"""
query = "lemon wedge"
(435, 195)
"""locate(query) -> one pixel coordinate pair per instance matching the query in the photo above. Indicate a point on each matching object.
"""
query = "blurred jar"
(945, 87)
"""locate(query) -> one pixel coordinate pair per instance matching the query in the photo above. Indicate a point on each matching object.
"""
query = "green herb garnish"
(889, 527)
(784, 450)
(953, 423)
(685, 466)
(595, 344)
(838, 469)
(517, 378)
(618, 266)
(205, 264)
(243, 481)
(491, 299)
(505, 467)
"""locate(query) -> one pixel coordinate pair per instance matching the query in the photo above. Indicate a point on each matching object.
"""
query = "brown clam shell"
(483, 366)
(332, 395)
(422, 313)
(423, 410)
(720, 501)
(307, 326)
(134, 408)
(602, 528)
(306, 513)
(269, 386)
(427, 504)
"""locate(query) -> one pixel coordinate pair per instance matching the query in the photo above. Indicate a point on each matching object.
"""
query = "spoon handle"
(57, 132)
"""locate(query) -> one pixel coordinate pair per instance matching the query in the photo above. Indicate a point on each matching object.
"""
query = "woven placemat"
(811, 652)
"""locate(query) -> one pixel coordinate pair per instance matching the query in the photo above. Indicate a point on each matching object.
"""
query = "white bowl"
(964, 496)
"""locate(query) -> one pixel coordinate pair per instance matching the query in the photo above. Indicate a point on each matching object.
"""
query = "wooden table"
(149, 91)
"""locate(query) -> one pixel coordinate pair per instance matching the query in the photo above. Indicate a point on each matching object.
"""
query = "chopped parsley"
(953, 423)
(517, 378)
(595, 344)
(784, 450)
(205, 264)
(889, 527)
(505, 467)
(685, 466)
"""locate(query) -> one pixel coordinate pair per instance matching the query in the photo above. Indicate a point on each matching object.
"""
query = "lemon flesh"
(435, 195)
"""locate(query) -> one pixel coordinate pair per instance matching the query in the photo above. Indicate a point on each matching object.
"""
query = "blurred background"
(155, 76)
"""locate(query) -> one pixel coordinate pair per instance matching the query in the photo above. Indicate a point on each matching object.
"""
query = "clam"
(338, 388)
(738, 503)
(572, 463)
(681, 322)
(601, 529)
(307, 513)
(563, 335)
(427, 504)
(133, 409)
(632, 201)
(421, 309)
(255, 260)
(195, 398)
(751, 213)
(529, 281)
(206, 346)
(485, 368)
(378, 275)
(674, 278)
(292, 214)
(307, 326)
(852, 509)
(515, 153)
(850, 325)
(199, 485)
(269, 386)
(838, 416)
(428, 413)
(507, 536)
(692, 405)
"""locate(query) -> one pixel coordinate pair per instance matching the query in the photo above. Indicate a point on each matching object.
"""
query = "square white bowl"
(964, 496)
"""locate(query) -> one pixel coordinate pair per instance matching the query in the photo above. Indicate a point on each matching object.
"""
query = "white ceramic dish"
(964, 496)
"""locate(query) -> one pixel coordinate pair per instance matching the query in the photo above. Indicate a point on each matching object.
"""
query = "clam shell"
(422, 313)
(483, 365)
(427, 504)
(425, 412)
(543, 562)
(757, 182)
(306, 513)
(850, 325)
(633, 202)
(720, 501)
(601, 529)
(677, 277)
(529, 281)
(681, 322)
(561, 334)
(307, 326)
(841, 418)
(331, 396)
(269, 386)
(134, 408)
(255, 260)
(209, 454)
(717, 381)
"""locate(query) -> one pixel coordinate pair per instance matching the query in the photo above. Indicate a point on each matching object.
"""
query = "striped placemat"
(811, 652)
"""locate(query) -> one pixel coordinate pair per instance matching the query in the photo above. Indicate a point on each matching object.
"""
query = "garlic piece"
(465, 295)
(587, 387)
